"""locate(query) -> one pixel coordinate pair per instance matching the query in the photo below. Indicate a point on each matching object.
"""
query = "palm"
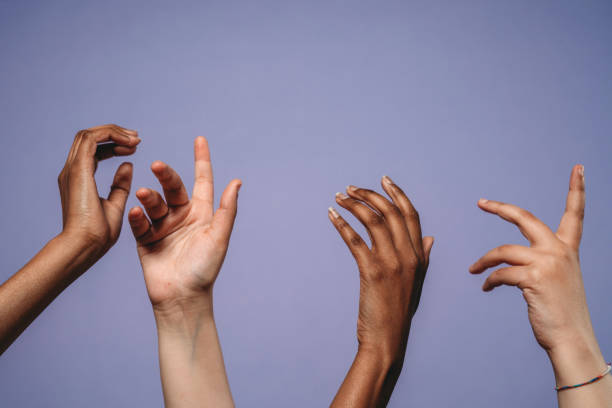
(182, 249)
(184, 261)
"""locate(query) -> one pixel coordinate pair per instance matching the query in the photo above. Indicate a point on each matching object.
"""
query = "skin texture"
(91, 225)
(548, 274)
(391, 275)
(182, 244)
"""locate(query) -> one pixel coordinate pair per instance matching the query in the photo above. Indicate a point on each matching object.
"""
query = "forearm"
(27, 293)
(370, 380)
(191, 362)
(578, 363)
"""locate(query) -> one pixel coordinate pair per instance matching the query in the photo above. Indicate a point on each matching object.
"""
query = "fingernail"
(333, 212)
(387, 180)
(581, 171)
(341, 196)
(483, 201)
(351, 188)
(142, 192)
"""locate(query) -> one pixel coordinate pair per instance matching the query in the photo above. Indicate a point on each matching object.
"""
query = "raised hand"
(86, 216)
(391, 276)
(91, 226)
(182, 245)
(548, 273)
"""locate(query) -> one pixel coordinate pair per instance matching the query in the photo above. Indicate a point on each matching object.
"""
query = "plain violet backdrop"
(453, 100)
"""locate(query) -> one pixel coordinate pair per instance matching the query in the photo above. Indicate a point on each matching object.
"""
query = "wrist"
(182, 313)
(79, 243)
(576, 361)
(77, 255)
(383, 358)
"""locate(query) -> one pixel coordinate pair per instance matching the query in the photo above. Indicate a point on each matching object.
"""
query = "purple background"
(454, 101)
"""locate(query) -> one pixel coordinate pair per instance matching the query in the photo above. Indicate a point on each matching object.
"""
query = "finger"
(570, 228)
(89, 139)
(391, 214)
(223, 219)
(411, 216)
(372, 221)
(531, 227)
(203, 183)
(510, 275)
(422, 272)
(120, 189)
(509, 254)
(353, 241)
(174, 189)
(116, 128)
(107, 150)
(75, 146)
(113, 133)
(114, 206)
(141, 227)
(427, 245)
(154, 204)
(124, 150)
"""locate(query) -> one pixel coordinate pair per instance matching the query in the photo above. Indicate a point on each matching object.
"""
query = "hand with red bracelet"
(548, 273)
(391, 276)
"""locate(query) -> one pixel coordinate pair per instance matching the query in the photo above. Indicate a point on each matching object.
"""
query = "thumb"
(427, 245)
(223, 219)
(114, 206)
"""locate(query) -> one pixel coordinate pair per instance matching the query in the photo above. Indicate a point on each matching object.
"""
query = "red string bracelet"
(591, 381)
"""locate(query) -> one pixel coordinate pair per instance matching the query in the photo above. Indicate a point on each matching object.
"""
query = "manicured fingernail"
(341, 196)
(333, 212)
(387, 180)
(483, 201)
(581, 171)
(351, 188)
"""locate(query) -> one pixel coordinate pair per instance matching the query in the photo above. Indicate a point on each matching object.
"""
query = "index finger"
(87, 144)
(531, 227)
(570, 228)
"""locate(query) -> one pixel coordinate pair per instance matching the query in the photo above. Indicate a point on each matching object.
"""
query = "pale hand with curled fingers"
(182, 245)
(548, 274)
(391, 276)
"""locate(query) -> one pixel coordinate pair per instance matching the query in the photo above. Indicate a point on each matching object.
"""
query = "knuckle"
(355, 240)
(393, 210)
(502, 250)
(84, 133)
(526, 215)
(393, 267)
(535, 276)
(375, 275)
(342, 225)
(374, 219)
(413, 215)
